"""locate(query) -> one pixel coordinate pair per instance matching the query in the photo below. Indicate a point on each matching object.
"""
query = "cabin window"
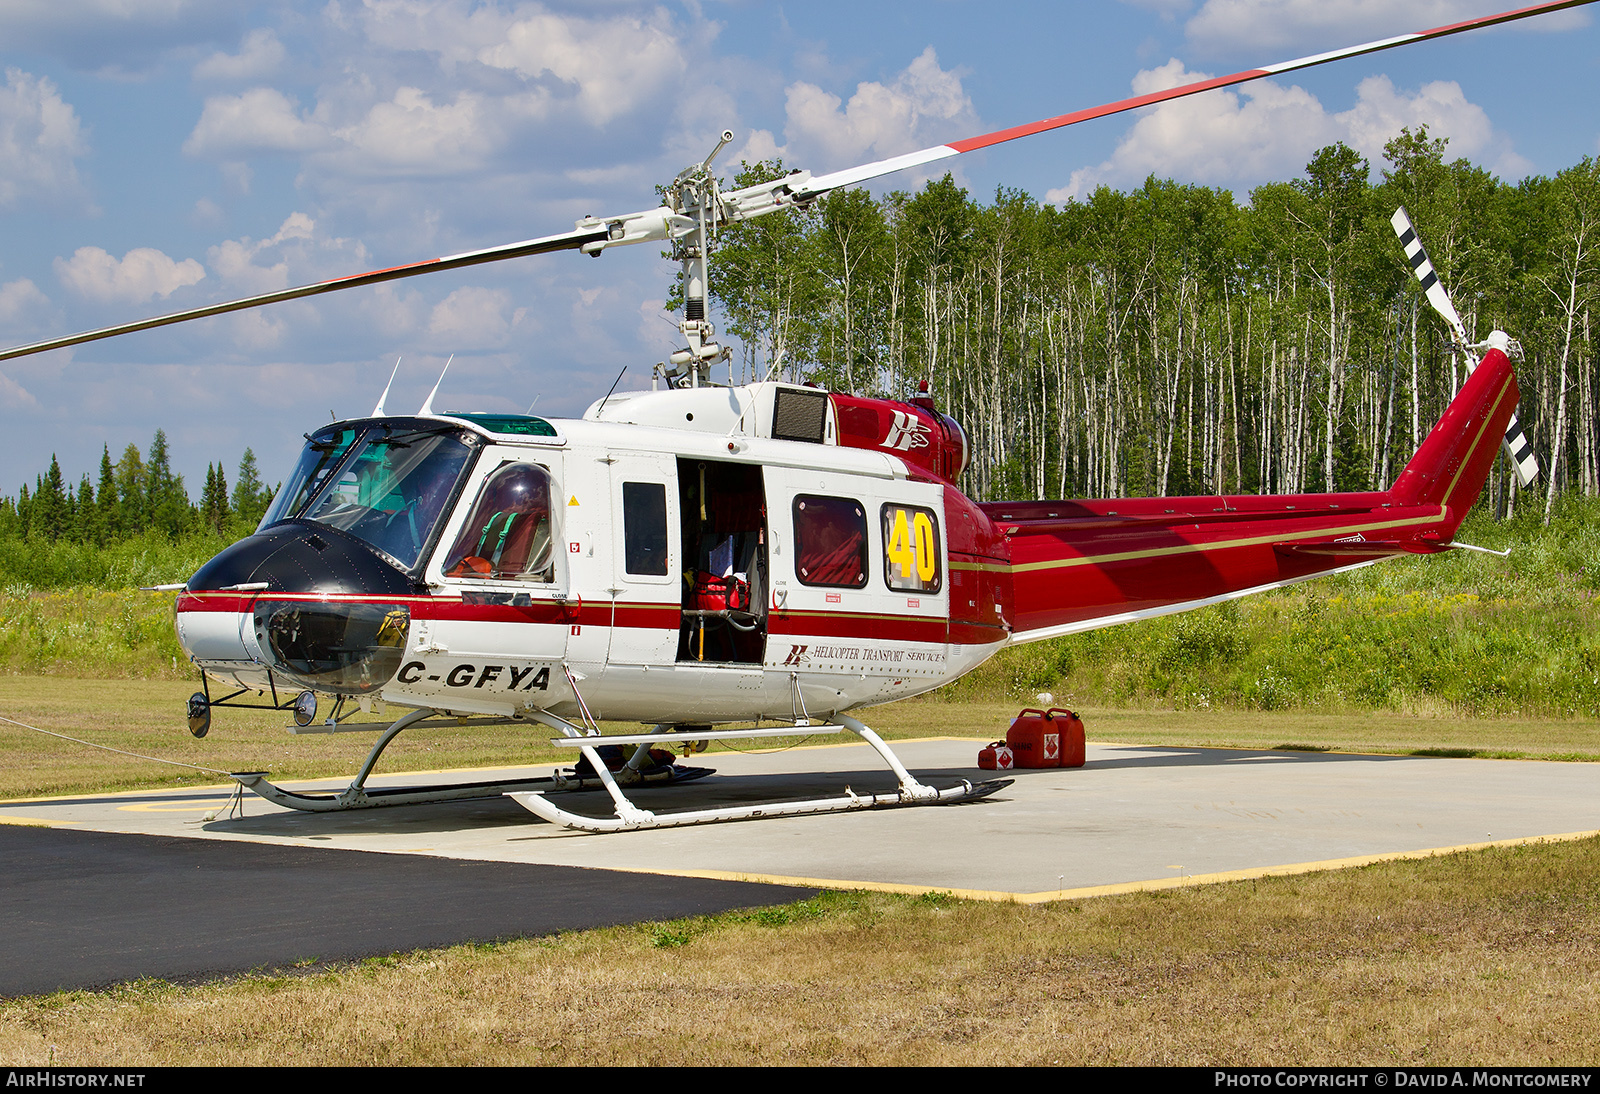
(644, 528)
(911, 549)
(830, 536)
(508, 534)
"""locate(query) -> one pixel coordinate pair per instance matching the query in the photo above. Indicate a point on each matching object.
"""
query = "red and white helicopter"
(698, 555)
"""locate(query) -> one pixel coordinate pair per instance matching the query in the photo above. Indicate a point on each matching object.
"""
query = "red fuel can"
(1071, 728)
(1035, 739)
(995, 757)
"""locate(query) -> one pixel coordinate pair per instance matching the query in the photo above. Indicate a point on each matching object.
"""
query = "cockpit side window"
(507, 535)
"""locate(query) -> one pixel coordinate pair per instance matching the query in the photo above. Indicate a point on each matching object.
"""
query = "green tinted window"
(515, 425)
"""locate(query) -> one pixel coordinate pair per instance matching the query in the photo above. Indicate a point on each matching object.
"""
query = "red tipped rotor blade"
(850, 176)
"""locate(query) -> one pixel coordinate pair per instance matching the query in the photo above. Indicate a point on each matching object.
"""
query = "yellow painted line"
(1292, 869)
(822, 883)
(153, 807)
(34, 822)
(1092, 891)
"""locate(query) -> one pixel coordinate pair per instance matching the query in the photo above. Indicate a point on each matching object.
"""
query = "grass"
(147, 717)
(1485, 958)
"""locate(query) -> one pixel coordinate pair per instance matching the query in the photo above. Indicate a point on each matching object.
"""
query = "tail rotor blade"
(1517, 445)
(1432, 287)
(1520, 449)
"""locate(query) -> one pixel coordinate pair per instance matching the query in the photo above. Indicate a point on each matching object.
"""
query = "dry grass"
(1488, 957)
(147, 717)
(1483, 958)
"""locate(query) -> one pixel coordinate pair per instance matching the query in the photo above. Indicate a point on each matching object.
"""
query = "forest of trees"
(1170, 340)
(136, 496)
(1167, 340)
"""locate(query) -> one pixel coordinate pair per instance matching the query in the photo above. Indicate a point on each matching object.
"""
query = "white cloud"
(922, 106)
(1325, 24)
(40, 141)
(1238, 138)
(474, 318)
(1381, 112)
(140, 275)
(13, 396)
(262, 119)
(234, 260)
(256, 329)
(612, 65)
(605, 67)
(22, 305)
(392, 308)
(411, 132)
(259, 55)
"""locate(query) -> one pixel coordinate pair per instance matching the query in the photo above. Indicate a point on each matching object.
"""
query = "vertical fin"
(1453, 462)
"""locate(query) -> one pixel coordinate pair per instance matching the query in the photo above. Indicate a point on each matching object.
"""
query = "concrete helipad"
(1136, 816)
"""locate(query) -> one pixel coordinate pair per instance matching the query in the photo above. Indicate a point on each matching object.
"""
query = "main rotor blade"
(566, 241)
(1517, 445)
(821, 184)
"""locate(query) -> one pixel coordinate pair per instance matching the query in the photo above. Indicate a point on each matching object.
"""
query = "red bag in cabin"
(995, 757)
(720, 594)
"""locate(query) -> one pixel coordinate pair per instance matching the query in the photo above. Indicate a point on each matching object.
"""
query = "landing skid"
(630, 817)
(358, 796)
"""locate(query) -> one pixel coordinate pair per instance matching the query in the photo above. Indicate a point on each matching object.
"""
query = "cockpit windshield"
(382, 483)
(321, 455)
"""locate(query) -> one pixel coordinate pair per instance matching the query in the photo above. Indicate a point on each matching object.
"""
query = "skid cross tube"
(629, 817)
(357, 796)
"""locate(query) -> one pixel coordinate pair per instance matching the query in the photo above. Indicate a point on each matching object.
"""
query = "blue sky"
(162, 154)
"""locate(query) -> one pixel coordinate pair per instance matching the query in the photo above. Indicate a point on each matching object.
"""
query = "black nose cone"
(318, 635)
(298, 557)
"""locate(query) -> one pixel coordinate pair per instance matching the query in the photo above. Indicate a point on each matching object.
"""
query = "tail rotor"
(1517, 445)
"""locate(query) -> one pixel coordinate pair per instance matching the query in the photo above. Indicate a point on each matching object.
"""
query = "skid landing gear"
(629, 816)
(358, 796)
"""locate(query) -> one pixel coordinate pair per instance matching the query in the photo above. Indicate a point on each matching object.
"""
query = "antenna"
(618, 380)
(377, 411)
(427, 407)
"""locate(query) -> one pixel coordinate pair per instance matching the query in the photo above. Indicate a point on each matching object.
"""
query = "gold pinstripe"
(1472, 448)
(1220, 545)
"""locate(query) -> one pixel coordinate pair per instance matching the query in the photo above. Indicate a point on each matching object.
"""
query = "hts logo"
(906, 433)
(797, 656)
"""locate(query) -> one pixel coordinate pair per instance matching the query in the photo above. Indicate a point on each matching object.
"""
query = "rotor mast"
(695, 196)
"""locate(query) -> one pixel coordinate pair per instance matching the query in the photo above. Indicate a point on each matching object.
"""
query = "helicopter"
(700, 555)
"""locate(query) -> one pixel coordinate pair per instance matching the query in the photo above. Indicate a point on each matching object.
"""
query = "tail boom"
(1079, 565)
